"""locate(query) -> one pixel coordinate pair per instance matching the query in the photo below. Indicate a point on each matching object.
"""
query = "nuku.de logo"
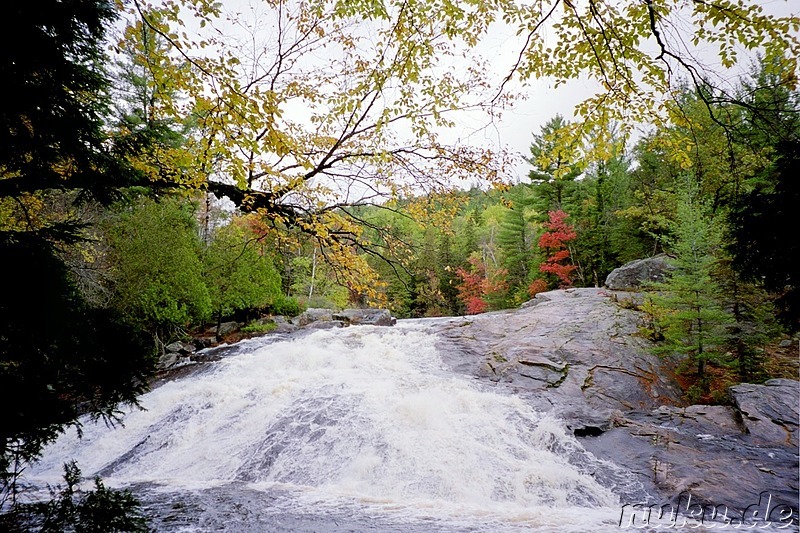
(685, 513)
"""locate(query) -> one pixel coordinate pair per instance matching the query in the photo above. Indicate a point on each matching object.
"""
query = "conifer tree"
(692, 319)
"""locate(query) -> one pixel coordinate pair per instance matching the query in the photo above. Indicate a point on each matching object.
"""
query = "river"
(361, 428)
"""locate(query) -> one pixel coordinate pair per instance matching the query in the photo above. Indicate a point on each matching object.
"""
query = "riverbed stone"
(770, 412)
(312, 314)
(226, 328)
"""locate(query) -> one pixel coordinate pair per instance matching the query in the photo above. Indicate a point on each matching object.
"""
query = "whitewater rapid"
(363, 423)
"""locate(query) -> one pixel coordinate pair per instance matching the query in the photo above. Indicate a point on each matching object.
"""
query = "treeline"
(714, 189)
(573, 221)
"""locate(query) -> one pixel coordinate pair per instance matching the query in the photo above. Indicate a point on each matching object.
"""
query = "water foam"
(362, 415)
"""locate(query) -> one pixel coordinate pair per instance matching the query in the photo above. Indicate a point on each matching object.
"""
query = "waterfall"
(365, 422)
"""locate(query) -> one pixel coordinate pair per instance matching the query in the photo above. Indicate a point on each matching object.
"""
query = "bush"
(286, 306)
(157, 276)
(255, 327)
(240, 276)
(96, 511)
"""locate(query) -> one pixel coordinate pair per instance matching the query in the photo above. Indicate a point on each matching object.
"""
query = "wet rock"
(699, 451)
(367, 317)
(769, 412)
(326, 324)
(167, 360)
(573, 353)
(283, 325)
(205, 357)
(226, 328)
(576, 354)
(174, 347)
(182, 348)
(632, 276)
(205, 341)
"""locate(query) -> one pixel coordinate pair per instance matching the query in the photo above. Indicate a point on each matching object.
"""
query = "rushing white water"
(363, 418)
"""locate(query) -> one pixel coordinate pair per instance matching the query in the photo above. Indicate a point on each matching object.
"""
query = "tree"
(237, 275)
(605, 239)
(51, 135)
(341, 103)
(693, 321)
(764, 224)
(553, 242)
(554, 157)
(479, 290)
(59, 356)
(516, 241)
(156, 273)
(151, 127)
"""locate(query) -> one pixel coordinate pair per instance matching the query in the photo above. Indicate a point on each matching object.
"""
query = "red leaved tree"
(538, 285)
(554, 244)
(476, 288)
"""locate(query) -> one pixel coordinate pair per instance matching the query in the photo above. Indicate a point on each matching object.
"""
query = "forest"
(156, 180)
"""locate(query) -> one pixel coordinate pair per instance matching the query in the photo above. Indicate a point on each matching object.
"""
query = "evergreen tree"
(555, 166)
(515, 240)
(59, 356)
(692, 318)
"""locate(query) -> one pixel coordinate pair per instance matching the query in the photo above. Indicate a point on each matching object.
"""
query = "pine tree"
(692, 319)
(555, 166)
(59, 356)
(515, 241)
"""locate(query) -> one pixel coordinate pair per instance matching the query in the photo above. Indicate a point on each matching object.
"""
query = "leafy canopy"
(308, 109)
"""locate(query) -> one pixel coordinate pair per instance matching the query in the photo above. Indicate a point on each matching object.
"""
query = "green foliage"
(286, 306)
(239, 275)
(58, 356)
(691, 317)
(556, 164)
(255, 327)
(315, 283)
(72, 510)
(156, 272)
(515, 238)
(754, 323)
(51, 134)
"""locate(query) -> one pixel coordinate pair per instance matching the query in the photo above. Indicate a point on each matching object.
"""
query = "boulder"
(183, 348)
(312, 314)
(226, 328)
(283, 325)
(632, 276)
(174, 347)
(203, 342)
(167, 360)
(575, 353)
(367, 317)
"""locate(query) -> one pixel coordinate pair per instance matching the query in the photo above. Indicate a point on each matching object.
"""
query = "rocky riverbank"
(575, 353)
